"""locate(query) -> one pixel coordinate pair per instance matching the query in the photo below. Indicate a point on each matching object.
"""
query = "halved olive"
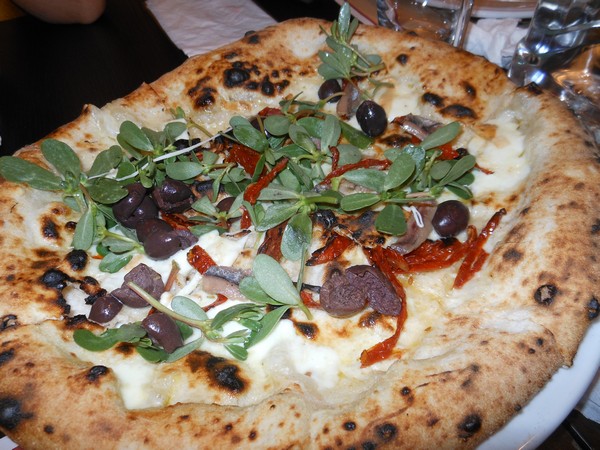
(163, 330)
(328, 88)
(105, 309)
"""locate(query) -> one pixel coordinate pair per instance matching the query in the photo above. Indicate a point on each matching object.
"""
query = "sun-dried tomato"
(384, 349)
(200, 259)
(476, 255)
(253, 191)
(219, 301)
(271, 245)
(178, 221)
(308, 299)
(435, 255)
(268, 111)
(335, 157)
(335, 245)
(244, 156)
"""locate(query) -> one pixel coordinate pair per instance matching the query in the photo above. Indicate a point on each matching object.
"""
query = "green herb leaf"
(106, 161)
(391, 220)
(354, 202)
(274, 280)
(105, 190)
(95, 343)
(296, 237)
(187, 307)
(400, 172)
(112, 262)
(250, 289)
(85, 230)
(277, 125)
(133, 137)
(62, 157)
(369, 178)
(268, 323)
(20, 171)
(355, 137)
(184, 170)
(276, 214)
(441, 136)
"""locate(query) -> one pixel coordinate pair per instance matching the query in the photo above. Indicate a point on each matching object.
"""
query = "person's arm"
(64, 11)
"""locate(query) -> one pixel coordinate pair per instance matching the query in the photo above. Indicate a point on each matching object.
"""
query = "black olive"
(172, 196)
(371, 118)
(148, 227)
(328, 88)
(162, 244)
(450, 218)
(135, 206)
(105, 309)
(146, 278)
(163, 330)
(180, 144)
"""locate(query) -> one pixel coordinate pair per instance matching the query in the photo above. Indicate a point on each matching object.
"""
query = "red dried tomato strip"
(220, 300)
(476, 256)
(244, 156)
(384, 349)
(253, 191)
(335, 157)
(336, 245)
(271, 245)
(246, 221)
(268, 111)
(199, 259)
(435, 255)
(308, 299)
(383, 163)
(178, 221)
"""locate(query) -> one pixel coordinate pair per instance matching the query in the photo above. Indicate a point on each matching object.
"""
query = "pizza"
(320, 236)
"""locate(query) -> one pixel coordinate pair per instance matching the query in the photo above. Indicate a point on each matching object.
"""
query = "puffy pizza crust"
(514, 326)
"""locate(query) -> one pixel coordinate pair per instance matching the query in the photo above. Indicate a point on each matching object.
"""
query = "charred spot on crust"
(349, 426)
(77, 259)
(230, 55)
(266, 87)
(55, 279)
(434, 99)
(596, 227)
(326, 218)
(470, 425)
(75, 321)
(368, 445)
(386, 431)
(49, 229)
(396, 140)
(220, 371)
(48, 429)
(62, 303)
(545, 294)
(96, 372)
(512, 255)
(7, 356)
(593, 308)
(10, 413)
(469, 89)
(252, 435)
(307, 329)
(253, 38)
(402, 58)
(235, 76)
(459, 111)
(8, 321)
(206, 97)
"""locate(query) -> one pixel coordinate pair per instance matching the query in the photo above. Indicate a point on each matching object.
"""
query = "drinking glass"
(561, 53)
(444, 20)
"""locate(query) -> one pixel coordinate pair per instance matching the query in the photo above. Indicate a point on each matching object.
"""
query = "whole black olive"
(180, 144)
(148, 227)
(162, 244)
(328, 88)
(135, 206)
(105, 309)
(172, 196)
(450, 218)
(371, 118)
(163, 330)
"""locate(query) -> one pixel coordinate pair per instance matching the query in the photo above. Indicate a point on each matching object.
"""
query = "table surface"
(48, 72)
